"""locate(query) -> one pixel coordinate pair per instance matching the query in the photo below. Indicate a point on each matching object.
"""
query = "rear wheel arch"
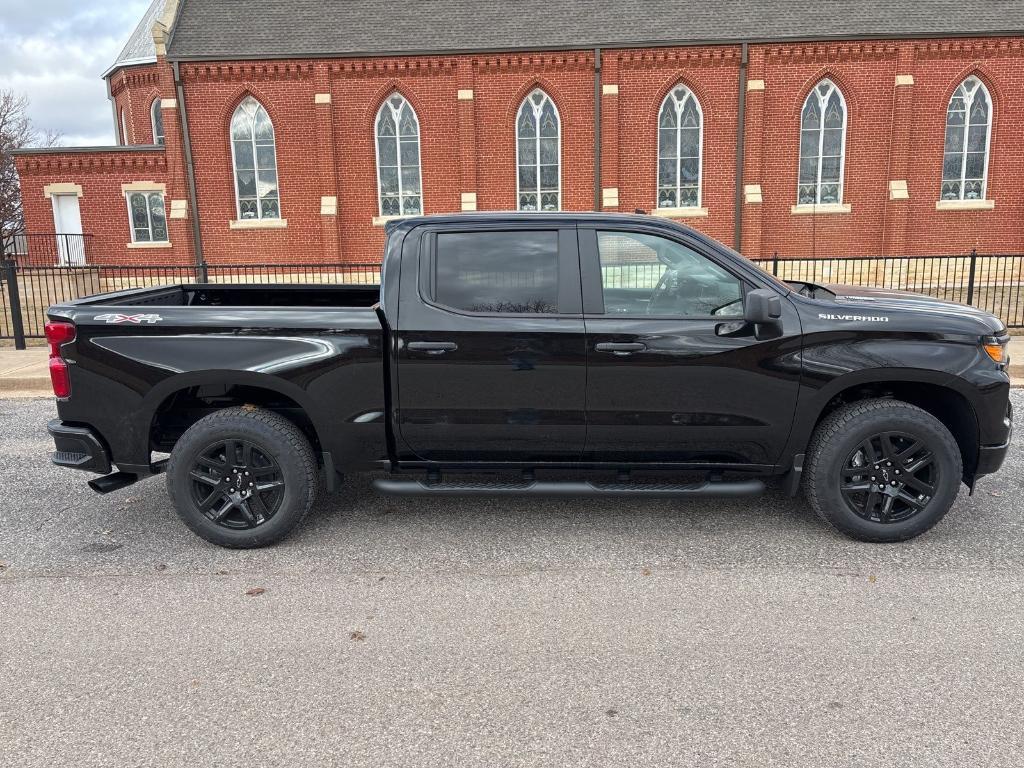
(174, 409)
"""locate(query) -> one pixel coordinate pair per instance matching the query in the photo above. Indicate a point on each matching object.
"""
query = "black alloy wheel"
(237, 484)
(882, 470)
(243, 477)
(890, 477)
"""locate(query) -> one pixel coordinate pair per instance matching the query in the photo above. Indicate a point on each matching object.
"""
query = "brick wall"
(324, 111)
(102, 205)
(133, 90)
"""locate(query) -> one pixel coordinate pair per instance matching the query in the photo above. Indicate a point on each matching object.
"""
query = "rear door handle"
(433, 347)
(621, 348)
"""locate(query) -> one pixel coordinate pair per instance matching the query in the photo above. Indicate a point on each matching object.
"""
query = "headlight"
(998, 348)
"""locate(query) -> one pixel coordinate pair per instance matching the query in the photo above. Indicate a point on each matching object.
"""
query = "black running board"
(716, 488)
(113, 482)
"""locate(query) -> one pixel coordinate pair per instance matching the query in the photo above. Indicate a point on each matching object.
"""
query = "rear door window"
(490, 272)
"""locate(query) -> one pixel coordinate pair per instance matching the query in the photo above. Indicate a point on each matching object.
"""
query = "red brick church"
(292, 132)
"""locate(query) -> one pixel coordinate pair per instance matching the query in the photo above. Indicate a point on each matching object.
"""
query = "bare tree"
(16, 131)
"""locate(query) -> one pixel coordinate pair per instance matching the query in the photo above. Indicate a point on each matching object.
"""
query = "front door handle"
(433, 347)
(621, 348)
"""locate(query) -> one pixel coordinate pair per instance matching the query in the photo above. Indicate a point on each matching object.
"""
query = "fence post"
(970, 276)
(775, 263)
(10, 272)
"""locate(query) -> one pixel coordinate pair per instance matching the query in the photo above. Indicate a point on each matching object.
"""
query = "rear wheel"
(882, 470)
(242, 477)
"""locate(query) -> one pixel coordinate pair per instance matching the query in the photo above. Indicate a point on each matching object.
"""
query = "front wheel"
(242, 477)
(882, 470)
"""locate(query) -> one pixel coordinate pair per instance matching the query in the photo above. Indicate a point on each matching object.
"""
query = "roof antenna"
(641, 211)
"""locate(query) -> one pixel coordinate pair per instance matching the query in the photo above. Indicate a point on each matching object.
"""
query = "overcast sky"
(54, 51)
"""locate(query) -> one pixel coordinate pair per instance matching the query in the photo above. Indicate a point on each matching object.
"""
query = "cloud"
(55, 52)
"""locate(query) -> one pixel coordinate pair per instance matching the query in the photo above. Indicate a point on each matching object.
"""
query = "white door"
(67, 220)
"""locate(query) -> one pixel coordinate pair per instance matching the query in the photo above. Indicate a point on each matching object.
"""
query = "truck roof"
(408, 222)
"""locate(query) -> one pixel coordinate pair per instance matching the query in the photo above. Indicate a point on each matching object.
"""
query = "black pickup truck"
(534, 354)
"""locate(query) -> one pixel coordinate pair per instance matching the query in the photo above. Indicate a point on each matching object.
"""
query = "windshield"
(767, 275)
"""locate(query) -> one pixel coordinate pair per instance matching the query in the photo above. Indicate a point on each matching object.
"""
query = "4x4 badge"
(135, 319)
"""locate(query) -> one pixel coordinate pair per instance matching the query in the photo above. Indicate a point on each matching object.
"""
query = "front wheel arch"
(944, 403)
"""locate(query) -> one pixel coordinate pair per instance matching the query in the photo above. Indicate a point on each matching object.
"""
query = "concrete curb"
(18, 383)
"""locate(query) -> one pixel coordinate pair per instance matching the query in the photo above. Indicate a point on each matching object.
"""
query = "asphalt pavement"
(405, 632)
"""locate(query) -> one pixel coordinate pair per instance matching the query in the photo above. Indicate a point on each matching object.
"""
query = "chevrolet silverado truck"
(588, 355)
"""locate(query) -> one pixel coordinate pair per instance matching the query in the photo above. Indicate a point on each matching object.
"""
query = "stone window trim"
(257, 223)
(63, 188)
(686, 212)
(986, 204)
(820, 208)
(156, 244)
(144, 186)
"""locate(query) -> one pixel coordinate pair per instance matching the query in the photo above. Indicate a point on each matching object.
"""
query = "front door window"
(648, 275)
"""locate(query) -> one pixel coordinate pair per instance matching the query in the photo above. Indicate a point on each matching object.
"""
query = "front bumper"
(990, 457)
(78, 447)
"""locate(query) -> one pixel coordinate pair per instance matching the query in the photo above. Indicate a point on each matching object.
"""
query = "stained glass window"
(158, 122)
(822, 146)
(968, 130)
(679, 146)
(146, 217)
(398, 158)
(255, 156)
(538, 154)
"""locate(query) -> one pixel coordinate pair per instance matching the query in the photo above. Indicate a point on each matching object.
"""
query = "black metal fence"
(989, 281)
(44, 248)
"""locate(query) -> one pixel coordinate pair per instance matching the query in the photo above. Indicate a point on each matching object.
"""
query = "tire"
(865, 453)
(207, 480)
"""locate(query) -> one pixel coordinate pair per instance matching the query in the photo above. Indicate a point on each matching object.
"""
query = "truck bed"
(255, 296)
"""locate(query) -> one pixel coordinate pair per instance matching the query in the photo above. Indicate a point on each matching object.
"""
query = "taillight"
(58, 333)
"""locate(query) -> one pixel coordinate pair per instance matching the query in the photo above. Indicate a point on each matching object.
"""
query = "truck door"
(491, 347)
(674, 374)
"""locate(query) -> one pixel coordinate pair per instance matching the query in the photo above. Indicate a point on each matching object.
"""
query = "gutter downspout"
(741, 119)
(190, 173)
(597, 129)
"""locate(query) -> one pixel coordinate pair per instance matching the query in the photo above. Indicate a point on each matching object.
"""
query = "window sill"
(380, 221)
(964, 205)
(164, 244)
(803, 210)
(258, 223)
(691, 212)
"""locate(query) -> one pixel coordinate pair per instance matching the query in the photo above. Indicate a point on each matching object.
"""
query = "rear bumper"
(78, 447)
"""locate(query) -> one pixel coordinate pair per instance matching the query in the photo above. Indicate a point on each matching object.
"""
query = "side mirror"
(762, 306)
